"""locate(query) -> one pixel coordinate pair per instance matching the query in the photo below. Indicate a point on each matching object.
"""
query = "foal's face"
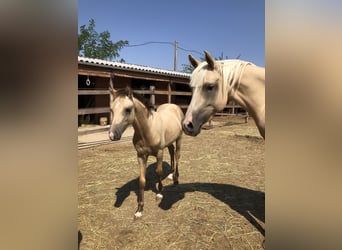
(122, 109)
(206, 100)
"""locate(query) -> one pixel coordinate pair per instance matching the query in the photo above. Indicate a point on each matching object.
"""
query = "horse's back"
(171, 117)
(169, 111)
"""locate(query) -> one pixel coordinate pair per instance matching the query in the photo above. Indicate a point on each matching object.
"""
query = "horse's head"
(122, 109)
(208, 95)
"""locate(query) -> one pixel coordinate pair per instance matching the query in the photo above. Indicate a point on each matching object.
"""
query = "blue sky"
(234, 27)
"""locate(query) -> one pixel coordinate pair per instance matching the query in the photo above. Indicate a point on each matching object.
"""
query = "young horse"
(153, 131)
(215, 82)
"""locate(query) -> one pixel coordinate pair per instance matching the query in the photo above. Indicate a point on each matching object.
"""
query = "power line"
(169, 43)
(191, 50)
(150, 42)
(175, 45)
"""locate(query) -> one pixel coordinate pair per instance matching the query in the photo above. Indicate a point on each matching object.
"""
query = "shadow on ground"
(151, 179)
(249, 203)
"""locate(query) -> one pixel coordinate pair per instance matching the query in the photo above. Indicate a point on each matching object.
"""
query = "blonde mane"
(231, 71)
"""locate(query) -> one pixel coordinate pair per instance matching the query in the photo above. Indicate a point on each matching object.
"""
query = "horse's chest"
(147, 149)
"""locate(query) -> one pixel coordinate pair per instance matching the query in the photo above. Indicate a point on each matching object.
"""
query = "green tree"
(98, 45)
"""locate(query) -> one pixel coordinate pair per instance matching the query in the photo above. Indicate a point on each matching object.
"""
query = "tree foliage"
(98, 45)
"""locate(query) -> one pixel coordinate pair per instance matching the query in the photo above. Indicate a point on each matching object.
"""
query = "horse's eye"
(128, 110)
(210, 87)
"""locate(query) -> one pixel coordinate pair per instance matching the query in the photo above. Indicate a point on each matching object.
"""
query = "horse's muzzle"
(189, 129)
(114, 136)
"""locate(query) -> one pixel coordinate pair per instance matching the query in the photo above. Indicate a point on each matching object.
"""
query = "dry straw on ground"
(218, 204)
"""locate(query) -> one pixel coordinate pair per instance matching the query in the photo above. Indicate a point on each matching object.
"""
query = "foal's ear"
(210, 60)
(112, 91)
(194, 62)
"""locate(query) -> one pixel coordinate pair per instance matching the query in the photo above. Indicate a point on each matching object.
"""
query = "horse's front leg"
(178, 148)
(159, 172)
(142, 160)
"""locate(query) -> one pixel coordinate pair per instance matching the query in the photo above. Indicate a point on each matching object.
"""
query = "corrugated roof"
(131, 67)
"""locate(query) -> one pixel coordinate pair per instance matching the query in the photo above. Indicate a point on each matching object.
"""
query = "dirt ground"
(218, 204)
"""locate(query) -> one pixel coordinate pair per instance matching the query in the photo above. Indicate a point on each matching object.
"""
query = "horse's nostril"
(190, 125)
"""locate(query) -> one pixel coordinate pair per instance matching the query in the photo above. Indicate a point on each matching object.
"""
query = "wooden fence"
(152, 92)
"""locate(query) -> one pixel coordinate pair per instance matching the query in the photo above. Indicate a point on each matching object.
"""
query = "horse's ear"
(210, 60)
(112, 91)
(194, 62)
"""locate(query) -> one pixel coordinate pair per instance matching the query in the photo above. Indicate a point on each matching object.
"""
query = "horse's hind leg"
(172, 157)
(159, 172)
(178, 148)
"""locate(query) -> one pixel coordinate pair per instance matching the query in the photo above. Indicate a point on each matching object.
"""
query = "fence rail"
(152, 92)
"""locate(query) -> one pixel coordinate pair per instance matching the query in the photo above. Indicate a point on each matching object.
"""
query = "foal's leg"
(159, 172)
(172, 157)
(178, 147)
(142, 160)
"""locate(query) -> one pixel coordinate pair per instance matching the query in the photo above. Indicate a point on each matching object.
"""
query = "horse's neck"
(250, 91)
(142, 122)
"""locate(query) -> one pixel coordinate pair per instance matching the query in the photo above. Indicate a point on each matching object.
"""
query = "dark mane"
(123, 92)
(145, 101)
(129, 92)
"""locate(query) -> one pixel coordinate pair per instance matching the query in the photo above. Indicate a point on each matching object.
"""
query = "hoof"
(159, 196)
(176, 182)
(170, 176)
(138, 215)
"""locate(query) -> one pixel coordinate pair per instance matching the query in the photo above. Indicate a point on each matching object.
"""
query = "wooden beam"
(150, 76)
(136, 75)
(181, 93)
(88, 72)
(87, 111)
(161, 92)
(93, 92)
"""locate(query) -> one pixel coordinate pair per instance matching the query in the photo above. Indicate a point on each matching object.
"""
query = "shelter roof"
(131, 67)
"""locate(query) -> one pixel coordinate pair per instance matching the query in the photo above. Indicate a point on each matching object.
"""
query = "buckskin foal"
(153, 131)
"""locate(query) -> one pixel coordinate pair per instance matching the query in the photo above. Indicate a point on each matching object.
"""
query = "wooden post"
(111, 98)
(169, 91)
(152, 97)
(246, 117)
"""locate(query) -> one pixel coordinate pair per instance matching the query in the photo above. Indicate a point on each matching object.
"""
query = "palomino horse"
(213, 83)
(153, 131)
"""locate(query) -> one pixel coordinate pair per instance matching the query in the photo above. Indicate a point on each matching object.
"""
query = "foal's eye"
(128, 110)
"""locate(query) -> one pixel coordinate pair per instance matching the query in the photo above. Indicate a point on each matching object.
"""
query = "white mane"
(231, 71)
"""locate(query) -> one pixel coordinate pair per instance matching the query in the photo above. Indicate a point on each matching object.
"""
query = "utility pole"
(175, 56)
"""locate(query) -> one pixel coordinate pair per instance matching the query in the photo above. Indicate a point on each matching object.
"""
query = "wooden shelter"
(159, 85)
